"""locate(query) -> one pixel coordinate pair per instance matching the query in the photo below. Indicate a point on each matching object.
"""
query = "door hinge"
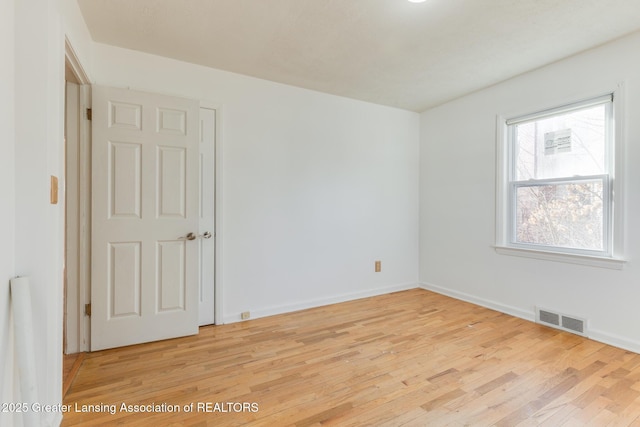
(88, 113)
(87, 309)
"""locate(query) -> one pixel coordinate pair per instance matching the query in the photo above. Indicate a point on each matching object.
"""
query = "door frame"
(81, 266)
(77, 227)
(217, 197)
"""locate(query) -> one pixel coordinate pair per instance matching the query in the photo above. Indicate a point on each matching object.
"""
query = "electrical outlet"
(378, 266)
(245, 315)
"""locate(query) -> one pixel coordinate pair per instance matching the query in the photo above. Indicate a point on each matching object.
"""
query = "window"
(557, 180)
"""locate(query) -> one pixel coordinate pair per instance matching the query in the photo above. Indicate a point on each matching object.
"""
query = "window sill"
(593, 261)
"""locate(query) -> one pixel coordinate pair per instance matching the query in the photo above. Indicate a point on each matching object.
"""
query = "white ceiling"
(390, 52)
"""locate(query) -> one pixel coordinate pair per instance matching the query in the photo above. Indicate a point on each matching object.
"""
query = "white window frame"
(506, 185)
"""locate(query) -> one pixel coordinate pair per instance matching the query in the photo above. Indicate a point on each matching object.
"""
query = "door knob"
(206, 235)
(189, 236)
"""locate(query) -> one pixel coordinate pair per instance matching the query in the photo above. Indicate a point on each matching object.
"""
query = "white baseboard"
(503, 308)
(303, 305)
(615, 340)
(596, 335)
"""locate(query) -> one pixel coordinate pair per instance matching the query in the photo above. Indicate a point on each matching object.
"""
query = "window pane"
(570, 144)
(562, 215)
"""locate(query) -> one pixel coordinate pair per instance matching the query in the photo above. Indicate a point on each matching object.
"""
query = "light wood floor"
(70, 365)
(410, 358)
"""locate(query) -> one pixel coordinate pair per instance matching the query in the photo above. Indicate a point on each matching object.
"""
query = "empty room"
(319, 212)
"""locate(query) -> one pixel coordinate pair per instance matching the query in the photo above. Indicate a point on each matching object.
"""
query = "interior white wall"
(315, 187)
(77, 33)
(7, 210)
(457, 200)
(32, 38)
(39, 144)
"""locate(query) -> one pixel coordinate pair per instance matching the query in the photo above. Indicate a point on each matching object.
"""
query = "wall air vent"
(575, 325)
(549, 317)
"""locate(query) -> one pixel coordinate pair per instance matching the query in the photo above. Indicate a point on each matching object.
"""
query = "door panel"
(145, 193)
(126, 178)
(124, 285)
(172, 179)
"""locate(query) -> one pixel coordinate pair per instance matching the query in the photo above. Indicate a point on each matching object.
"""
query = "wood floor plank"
(409, 358)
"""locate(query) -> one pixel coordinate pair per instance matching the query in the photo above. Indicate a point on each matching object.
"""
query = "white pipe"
(24, 347)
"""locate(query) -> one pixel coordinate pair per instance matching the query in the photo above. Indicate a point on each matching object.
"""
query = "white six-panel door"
(145, 190)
